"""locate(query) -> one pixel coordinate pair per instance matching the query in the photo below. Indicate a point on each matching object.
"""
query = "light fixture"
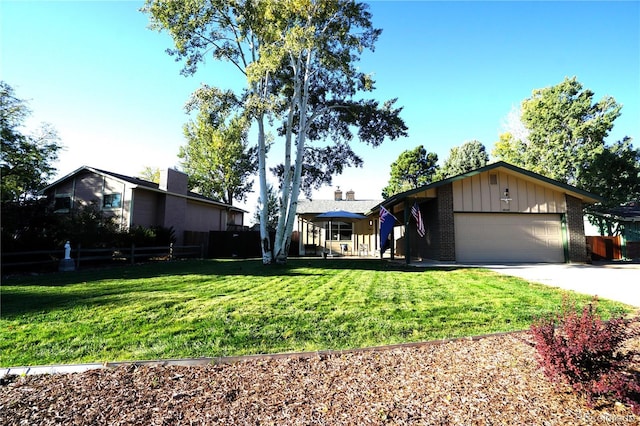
(506, 198)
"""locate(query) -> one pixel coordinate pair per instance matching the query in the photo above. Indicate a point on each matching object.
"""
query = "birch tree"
(229, 31)
(298, 57)
(320, 43)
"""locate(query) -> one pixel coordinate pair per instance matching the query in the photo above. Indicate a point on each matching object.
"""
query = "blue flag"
(387, 220)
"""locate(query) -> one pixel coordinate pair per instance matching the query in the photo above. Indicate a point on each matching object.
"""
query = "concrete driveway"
(615, 281)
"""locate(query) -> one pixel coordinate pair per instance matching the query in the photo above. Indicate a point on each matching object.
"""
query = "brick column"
(575, 229)
(445, 219)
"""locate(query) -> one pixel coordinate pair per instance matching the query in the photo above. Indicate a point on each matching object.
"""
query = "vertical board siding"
(476, 194)
(476, 191)
(522, 196)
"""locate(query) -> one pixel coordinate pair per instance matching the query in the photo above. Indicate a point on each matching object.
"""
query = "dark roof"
(133, 180)
(627, 210)
(395, 199)
(140, 183)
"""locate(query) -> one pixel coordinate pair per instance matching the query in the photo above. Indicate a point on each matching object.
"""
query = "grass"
(220, 308)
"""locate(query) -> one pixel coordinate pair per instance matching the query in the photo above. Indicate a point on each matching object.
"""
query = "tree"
(469, 156)
(566, 129)
(298, 57)
(614, 174)
(510, 149)
(412, 169)
(26, 161)
(513, 125)
(272, 209)
(151, 174)
(217, 157)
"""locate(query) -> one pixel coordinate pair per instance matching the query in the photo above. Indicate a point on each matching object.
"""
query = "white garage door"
(494, 237)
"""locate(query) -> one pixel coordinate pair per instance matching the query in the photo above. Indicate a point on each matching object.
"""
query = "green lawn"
(217, 308)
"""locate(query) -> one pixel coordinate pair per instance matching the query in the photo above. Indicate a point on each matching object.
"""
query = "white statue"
(67, 250)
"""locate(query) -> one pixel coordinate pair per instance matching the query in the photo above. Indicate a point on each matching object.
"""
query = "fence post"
(133, 253)
(201, 251)
(78, 257)
(170, 251)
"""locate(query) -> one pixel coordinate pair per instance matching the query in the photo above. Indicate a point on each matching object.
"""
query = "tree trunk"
(265, 244)
(283, 236)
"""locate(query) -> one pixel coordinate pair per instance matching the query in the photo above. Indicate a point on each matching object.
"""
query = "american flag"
(415, 211)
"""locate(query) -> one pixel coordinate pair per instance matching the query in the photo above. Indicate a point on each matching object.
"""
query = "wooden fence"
(243, 244)
(47, 260)
(605, 248)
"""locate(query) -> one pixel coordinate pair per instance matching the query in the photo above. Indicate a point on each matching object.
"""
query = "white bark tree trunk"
(289, 210)
(265, 243)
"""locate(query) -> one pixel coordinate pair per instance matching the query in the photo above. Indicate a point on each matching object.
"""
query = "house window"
(493, 179)
(340, 231)
(62, 203)
(111, 201)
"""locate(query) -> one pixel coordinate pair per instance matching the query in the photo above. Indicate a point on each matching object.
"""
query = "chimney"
(351, 196)
(338, 194)
(173, 181)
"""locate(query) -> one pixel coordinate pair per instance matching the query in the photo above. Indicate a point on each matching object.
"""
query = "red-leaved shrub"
(579, 348)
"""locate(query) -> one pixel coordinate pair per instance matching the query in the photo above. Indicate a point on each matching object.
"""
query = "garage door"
(508, 237)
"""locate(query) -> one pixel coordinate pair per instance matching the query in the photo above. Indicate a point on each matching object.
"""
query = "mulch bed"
(491, 381)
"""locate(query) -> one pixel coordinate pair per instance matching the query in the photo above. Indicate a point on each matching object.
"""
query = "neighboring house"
(498, 213)
(136, 202)
(627, 217)
(349, 238)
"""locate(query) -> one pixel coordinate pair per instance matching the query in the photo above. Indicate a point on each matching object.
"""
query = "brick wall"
(445, 219)
(575, 229)
(429, 246)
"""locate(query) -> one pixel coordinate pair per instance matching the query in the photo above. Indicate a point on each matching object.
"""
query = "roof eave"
(78, 170)
(133, 185)
(585, 196)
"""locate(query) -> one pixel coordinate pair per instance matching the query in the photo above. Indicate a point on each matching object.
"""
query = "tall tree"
(217, 157)
(412, 169)
(469, 156)
(614, 174)
(566, 129)
(298, 57)
(510, 149)
(26, 161)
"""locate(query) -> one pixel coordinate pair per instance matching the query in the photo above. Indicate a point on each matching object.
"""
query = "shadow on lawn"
(208, 267)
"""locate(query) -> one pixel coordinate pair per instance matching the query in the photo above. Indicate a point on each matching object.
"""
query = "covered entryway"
(508, 237)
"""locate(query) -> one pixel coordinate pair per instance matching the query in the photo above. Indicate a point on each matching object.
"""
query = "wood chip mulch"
(491, 381)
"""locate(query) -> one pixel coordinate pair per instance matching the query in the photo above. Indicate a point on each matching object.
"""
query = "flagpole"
(407, 241)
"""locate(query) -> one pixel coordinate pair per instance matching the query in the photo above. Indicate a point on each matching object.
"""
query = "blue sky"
(102, 79)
